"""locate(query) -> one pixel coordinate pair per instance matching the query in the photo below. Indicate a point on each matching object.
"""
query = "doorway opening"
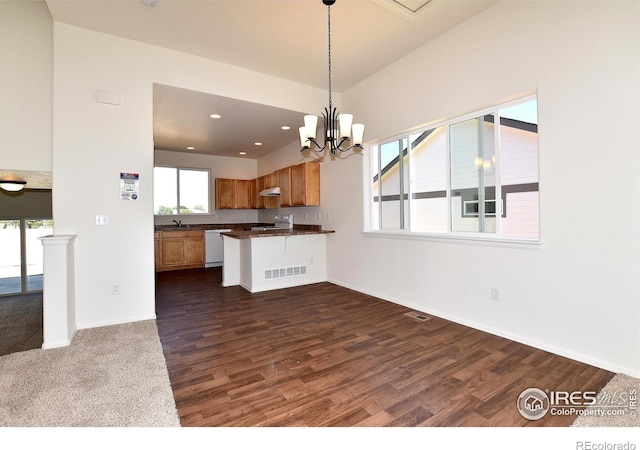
(24, 218)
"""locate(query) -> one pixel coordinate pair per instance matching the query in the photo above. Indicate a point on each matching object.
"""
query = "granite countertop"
(243, 230)
(211, 226)
(248, 234)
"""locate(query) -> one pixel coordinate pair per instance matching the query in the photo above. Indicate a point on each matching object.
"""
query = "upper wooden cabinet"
(299, 186)
(224, 193)
(272, 179)
(233, 194)
(268, 181)
(242, 190)
(305, 184)
(285, 187)
(254, 197)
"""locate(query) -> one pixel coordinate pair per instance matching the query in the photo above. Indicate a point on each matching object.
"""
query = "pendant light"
(338, 128)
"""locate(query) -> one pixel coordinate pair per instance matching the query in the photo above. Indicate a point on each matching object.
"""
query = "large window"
(180, 191)
(463, 177)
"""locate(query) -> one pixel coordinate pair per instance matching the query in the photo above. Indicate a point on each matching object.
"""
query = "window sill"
(434, 237)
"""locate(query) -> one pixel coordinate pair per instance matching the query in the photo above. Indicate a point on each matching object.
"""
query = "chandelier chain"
(329, 40)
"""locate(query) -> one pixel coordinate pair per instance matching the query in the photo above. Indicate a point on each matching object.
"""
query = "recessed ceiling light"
(215, 116)
(285, 127)
(243, 153)
(191, 148)
(257, 143)
(150, 3)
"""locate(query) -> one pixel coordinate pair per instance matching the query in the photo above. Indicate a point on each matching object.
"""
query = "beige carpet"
(113, 376)
(615, 405)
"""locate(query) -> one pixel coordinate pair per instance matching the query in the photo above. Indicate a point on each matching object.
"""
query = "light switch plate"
(102, 219)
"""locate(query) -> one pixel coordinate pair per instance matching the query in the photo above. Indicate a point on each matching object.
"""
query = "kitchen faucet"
(178, 223)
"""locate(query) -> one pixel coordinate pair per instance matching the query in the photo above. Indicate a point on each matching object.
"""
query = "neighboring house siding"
(518, 171)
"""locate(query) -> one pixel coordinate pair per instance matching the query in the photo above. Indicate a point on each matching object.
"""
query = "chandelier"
(337, 127)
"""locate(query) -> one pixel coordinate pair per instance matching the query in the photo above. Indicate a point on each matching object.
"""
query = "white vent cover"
(285, 272)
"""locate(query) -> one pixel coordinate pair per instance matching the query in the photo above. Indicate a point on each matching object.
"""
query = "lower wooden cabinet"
(157, 248)
(179, 249)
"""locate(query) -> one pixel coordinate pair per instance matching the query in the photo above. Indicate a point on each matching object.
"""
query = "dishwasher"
(214, 252)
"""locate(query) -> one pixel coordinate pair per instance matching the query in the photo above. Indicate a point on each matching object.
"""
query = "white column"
(58, 299)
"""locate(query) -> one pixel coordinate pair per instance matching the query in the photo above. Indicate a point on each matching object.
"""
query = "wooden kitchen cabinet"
(233, 194)
(254, 197)
(266, 182)
(260, 186)
(273, 179)
(180, 249)
(242, 192)
(157, 249)
(285, 187)
(224, 193)
(305, 184)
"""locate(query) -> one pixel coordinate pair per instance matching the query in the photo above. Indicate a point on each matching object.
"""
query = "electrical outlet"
(115, 289)
(328, 217)
(495, 294)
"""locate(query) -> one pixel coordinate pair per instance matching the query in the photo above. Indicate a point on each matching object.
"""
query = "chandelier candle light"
(337, 126)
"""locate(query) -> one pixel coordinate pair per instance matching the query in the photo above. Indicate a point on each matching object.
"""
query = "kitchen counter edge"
(248, 234)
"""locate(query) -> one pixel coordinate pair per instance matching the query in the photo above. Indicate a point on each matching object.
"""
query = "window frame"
(178, 170)
(370, 211)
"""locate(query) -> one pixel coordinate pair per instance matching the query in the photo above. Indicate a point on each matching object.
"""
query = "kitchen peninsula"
(274, 259)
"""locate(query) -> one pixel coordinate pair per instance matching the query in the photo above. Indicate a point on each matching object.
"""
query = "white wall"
(220, 167)
(26, 68)
(94, 142)
(577, 293)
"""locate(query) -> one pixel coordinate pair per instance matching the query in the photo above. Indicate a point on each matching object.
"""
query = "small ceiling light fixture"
(285, 127)
(150, 3)
(191, 148)
(337, 127)
(242, 153)
(12, 183)
(257, 143)
(215, 116)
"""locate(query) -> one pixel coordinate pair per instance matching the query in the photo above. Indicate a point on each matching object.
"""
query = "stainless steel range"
(281, 222)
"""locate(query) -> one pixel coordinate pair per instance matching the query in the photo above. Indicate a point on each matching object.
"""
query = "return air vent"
(418, 316)
(285, 272)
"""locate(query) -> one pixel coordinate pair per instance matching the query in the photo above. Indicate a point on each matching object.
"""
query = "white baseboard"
(88, 325)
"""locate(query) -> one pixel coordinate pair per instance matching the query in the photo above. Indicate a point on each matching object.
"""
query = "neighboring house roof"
(512, 123)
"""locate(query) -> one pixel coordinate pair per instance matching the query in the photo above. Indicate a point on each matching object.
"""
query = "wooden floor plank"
(325, 356)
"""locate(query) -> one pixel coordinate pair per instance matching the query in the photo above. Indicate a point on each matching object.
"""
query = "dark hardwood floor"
(322, 355)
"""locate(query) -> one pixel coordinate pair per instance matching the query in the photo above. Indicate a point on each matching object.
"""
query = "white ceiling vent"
(404, 8)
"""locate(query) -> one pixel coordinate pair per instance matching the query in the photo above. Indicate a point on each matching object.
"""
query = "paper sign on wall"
(129, 186)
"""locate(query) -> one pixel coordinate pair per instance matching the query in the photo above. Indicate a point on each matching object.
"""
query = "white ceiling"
(283, 38)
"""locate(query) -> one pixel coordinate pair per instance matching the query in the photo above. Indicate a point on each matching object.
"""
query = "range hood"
(271, 192)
